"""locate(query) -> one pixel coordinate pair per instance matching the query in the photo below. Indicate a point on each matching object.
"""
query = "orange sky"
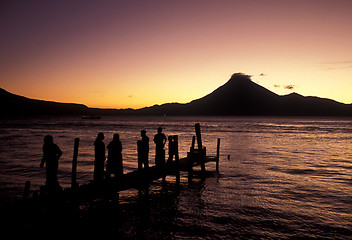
(120, 54)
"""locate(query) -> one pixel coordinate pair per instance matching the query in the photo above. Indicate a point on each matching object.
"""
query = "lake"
(280, 177)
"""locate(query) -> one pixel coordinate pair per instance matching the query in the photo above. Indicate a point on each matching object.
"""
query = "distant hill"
(12, 104)
(239, 96)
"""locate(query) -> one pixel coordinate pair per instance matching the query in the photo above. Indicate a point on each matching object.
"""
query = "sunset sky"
(127, 53)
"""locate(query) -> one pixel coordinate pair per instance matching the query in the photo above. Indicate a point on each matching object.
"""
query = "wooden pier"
(139, 179)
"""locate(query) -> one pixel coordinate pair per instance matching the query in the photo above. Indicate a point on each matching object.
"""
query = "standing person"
(51, 156)
(114, 162)
(159, 140)
(143, 151)
(99, 157)
(172, 149)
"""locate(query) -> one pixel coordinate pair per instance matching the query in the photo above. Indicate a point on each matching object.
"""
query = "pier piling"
(189, 158)
(199, 136)
(26, 190)
(74, 165)
(217, 155)
(201, 150)
(177, 160)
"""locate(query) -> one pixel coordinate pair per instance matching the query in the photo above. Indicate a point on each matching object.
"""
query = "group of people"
(52, 153)
(114, 160)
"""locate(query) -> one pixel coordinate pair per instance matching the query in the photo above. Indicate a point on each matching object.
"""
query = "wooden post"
(74, 164)
(200, 147)
(177, 163)
(140, 153)
(26, 190)
(199, 137)
(170, 140)
(190, 166)
(190, 156)
(193, 143)
(218, 155)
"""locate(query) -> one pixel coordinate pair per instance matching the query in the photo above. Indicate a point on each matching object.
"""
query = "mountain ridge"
(239, 96)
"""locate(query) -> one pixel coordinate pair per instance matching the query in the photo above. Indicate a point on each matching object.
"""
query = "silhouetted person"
(143, 151)
(51, 156)
(99, 157)
(114, 162)
(159, 140)
(172, 149)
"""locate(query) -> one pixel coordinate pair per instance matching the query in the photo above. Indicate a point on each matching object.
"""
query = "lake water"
(285, 177)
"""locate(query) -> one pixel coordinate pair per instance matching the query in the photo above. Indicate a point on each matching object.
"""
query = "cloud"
(289, 87)
(335, 65)
(239, 74)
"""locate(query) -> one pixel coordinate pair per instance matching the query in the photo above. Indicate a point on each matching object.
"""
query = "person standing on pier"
(51, 156)
(99, 157)
(172, 149)
(114, 162)
(159, 140)
(143, 151)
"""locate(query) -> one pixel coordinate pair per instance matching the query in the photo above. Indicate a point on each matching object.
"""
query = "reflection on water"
(285, 178)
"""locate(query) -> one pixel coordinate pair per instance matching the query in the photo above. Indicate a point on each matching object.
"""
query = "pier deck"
(133, 180)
